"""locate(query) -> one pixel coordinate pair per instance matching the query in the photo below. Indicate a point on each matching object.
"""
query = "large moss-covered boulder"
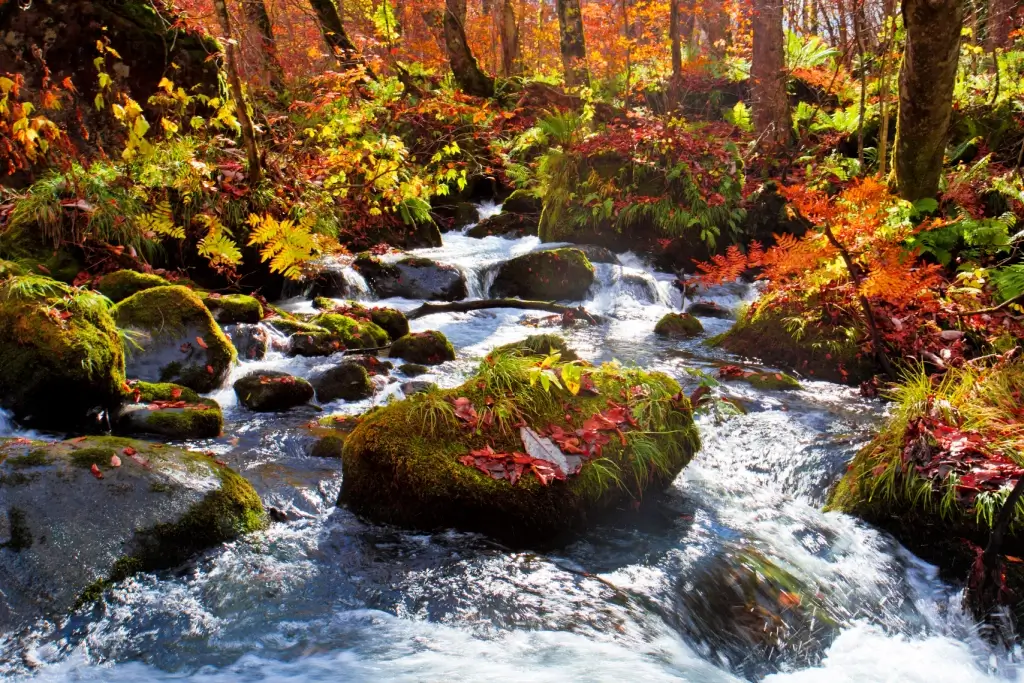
(60, 352)
(121, 284)
(269, 391)
(347, 382)
(678, 326)
(557, 274)
(523, 202)
(823, 349)
(169, 411)
(77, 515)
(425, 348)
(174, 338)
(230, 309)
(412, 278)
(503, 456)
(331, 332)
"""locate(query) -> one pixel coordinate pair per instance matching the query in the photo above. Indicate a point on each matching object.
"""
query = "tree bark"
(675, 31)
(333, 30)
(572, 43)
(509, 40)
(999, 23)
(465, 68)
(768, 74)
(927, 78)
(256, 13)
(252, 151)
(716, 22)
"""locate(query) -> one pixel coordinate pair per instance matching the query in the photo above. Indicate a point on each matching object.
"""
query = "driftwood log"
(465, 306)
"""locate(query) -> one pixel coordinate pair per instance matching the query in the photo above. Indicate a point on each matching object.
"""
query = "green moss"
(391, 321)
(186, 423)
(329, 446)
(776, 333)
(10, 269)
(772, 381)
(229, 309)
(322, 303)
(121, 284)
(87, 457)
(413, 369)
(426, 348)
(402, 463)
(679, 325)
(556, 274)
(353, 334)
(540, 345)
(290, 326)
(36, 458)
(60, 352)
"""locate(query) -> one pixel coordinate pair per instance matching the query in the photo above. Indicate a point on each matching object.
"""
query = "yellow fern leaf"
(160, 221)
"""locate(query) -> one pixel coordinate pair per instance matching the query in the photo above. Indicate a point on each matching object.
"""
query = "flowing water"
(737, 576)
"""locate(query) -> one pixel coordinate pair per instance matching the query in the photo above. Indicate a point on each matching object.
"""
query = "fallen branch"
(994, 309)
(481, 304)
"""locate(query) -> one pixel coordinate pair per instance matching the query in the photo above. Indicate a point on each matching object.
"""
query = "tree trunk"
(340, 45)
(688, 26)
(256, 13)
(467, 72)
(768, 74)
(675, 30)
(999, 23)
(717, 25)
(509, 40)
(926, 93)
(252, 152)
(572, 43)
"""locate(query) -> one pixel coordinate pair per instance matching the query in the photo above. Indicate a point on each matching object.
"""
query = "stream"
(737, 576)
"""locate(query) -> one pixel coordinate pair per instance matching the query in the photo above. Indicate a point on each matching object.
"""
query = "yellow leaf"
(166, 84)
(169, 126)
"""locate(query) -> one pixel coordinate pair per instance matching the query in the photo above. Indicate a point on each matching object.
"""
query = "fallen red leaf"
(115, 461)
(96, 471)
(201, 342)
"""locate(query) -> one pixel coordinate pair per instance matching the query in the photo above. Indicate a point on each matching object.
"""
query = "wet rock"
(347, 381)
(678, 326)
(540, 345)
(174, 339)
(416, 386)
(769, 214)
(331, 281)
(708, 309)
(457, 215)
(329, 333)
(641, 287)
(60, 353)
(522, 202)
(596, 254)
(413, 369)
(372, 364)
(154, 507)
(229, 309)
(425, 348)
(409, 463)
(329, 446)
(269, 391)
(510, 225)
(412, 278)
(170, 411)
(557, 274)
(250, 341)
(121, 284)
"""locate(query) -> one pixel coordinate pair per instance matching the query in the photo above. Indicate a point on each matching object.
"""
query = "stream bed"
(737, 576)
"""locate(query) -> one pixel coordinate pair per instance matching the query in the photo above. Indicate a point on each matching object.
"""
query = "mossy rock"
(708, 309)
(539, 345)
(9, 269)
(823, 350)
(61, 265)
(522, 202)
(463, 214)
(510, 225)
(121, 284)
(330, 446)
(678, 326)
(174, 339)
(60, 353)
(230, 309)
(391, 320)
(347, 382)
(155, 509)
(773, 381)
(412, 278)
(329, 333)
(293, 326)
(425, 348)
(413, 369)
(553, 275)
(170, 411)
(269, 391)
(405, 462)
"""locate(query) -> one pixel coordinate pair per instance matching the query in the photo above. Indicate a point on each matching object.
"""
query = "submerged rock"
(413, 278)
(121, 284)
(421, 462)
(413, 369)
(678, 326)
(425, 348)
(269, 391)
(557, 274)
(251, 342)
(60, 353)
(174, 338)
(708, 309)
(229, 309)
(170, 411)
(124, 506)
(348, 381)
